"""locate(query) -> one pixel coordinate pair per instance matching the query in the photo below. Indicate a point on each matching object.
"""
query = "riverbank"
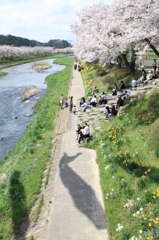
(22, 170)
(27, 60)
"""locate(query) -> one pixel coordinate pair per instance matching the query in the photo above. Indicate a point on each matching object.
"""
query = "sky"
(41, 20)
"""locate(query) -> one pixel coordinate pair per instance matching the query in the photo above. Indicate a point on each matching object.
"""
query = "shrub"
(108, 79)
(101, 72)
(147, 109)
(122, 73)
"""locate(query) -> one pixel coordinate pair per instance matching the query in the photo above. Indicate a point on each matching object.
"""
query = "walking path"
(77, 208)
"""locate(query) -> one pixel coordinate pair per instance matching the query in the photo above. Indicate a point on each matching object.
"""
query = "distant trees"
(57, 43)
(19, 41)
(107, 33)
(9, 52)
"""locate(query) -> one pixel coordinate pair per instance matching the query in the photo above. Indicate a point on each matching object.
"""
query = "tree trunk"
(130, 65)
(152, 47)
(119, 61)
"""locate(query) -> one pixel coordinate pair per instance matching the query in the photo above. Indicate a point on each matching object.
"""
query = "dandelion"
(119, 227)
(107, 167)
(138, 199)
(156, 222)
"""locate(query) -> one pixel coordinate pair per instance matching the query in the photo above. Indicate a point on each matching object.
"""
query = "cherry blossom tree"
(109, 32)
(9, 51)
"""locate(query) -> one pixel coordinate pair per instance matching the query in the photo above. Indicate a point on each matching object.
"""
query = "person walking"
(154, 64)
(71, 104)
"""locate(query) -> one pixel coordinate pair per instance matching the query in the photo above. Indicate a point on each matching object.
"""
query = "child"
(66, 103)
(74, 109)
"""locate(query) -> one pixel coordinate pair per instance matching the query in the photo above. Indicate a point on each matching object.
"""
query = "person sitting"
(127, 94)
(149, 77)
(115, 89)
(104, 98)
(122, 86)
(108, 113)
(78, 130)
(66, 102)
(95, 91)
(93, 101)
(133, 83)
(143, 77)
(84, 133)
(113, 111)
(82, 100)
(100, 99)
(120, 102)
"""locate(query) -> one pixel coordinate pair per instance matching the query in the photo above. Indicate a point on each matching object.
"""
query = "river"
(16, 114)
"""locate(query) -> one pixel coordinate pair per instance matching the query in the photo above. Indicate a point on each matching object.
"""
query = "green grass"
(3, 73)
(24, 165)
(152, 55)
(129, 170)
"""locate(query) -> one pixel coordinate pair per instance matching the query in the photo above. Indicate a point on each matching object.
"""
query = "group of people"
(82, 132)
(93, 101)
(144, 79)
(65, 103)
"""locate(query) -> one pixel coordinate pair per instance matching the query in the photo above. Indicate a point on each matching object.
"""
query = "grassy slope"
(128, 171)
(23, 167)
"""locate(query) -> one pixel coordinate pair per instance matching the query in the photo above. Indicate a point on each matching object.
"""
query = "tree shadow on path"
(82, 194)
(18, 201)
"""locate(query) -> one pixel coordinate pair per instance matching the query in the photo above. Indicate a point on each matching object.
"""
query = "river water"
(13, 110)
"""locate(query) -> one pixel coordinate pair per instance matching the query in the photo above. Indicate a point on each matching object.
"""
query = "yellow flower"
(156, 222)
(150, 224)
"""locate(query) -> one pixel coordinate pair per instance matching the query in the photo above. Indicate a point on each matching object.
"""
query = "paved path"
(77, 208)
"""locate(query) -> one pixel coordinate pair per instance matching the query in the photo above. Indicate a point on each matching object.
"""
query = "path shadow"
(82, 194)
(18, 202)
